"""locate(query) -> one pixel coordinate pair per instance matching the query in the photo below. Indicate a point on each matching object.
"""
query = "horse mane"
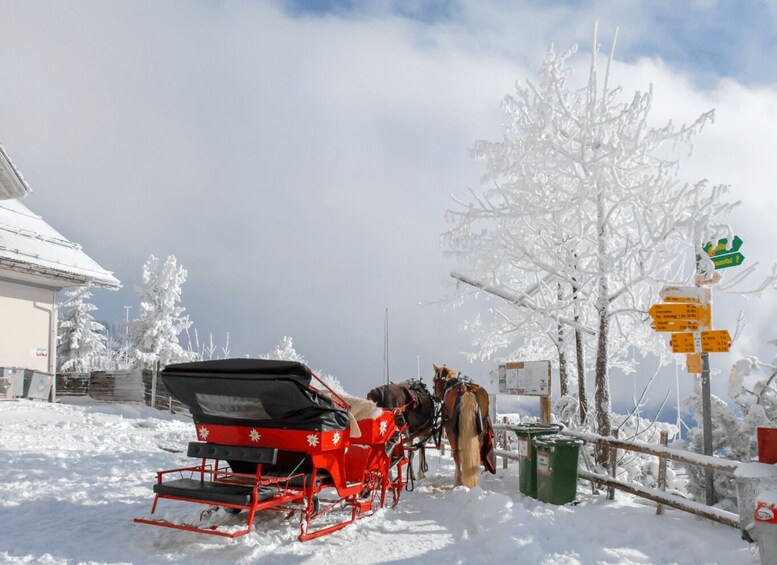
(469, 440)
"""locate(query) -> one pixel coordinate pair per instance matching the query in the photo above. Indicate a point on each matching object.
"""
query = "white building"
(36, 262)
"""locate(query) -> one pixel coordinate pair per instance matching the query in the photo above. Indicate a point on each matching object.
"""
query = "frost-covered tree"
(285, 351)
(583, 205)
(81, 340)
(161, 318)
(210, 350)
(752, 386)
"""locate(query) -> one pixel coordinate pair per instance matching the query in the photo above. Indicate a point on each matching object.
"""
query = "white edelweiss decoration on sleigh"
(254, 435)
(204, 433)
(313, 440)
(336, 438)
(383, 427)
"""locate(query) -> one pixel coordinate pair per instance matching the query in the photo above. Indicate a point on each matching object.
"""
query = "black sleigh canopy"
(253, 392)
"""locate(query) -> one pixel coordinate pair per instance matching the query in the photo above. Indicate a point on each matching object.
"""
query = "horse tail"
(469, 439)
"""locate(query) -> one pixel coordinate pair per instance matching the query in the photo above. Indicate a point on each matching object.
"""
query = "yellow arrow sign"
(692, 294)
(712, 341)
(700, 313)
(683, 342)
(715, 341)
(675, 326)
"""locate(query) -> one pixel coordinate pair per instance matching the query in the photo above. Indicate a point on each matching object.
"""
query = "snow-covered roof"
(12, 183)
(30, 246)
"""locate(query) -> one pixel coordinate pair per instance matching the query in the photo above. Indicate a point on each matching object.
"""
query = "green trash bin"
(527, 454)
(557, 468)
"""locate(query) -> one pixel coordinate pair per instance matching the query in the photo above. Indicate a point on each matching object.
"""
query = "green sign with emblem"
(723, 256)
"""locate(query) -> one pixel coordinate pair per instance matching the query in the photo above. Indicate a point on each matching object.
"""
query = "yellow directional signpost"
(675, 326)
(692, 294)
(712, 341)
(715, 341)
(687, 313)
(673, 316)
(683, 342)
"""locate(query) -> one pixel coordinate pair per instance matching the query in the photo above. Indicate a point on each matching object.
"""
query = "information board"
(527, 378)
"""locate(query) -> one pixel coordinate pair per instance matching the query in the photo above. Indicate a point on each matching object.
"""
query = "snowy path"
(74, 475)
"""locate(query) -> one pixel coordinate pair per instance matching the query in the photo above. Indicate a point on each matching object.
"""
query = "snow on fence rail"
(663, 453)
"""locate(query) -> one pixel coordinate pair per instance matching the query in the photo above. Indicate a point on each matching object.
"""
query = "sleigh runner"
(271, 439)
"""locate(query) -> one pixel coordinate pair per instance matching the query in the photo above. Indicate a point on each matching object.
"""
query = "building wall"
(27, 326)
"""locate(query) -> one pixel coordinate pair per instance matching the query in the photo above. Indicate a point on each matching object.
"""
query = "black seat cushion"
(211, 492)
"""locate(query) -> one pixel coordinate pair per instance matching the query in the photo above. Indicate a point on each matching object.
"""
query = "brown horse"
(420, 412)
(467, 424)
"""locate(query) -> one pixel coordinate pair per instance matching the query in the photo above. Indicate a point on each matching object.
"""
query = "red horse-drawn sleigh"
(273, 436)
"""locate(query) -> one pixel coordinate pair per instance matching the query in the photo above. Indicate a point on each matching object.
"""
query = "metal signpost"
(687, 313)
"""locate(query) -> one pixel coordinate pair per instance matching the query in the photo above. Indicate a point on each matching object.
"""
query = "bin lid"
(536, 427)
(556, 440)
(766, 507)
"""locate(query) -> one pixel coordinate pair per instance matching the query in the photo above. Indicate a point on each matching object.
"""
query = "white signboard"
(528, 378)
(523, 448)
(543, 463)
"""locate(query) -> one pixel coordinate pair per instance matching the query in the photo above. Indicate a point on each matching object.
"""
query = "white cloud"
(300, 167)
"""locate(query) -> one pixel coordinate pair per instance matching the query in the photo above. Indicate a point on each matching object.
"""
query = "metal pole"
(706, 408)
(386, 348)
(706, 404)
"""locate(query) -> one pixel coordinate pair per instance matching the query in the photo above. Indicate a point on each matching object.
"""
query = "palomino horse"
(467, 425)
(420, 412)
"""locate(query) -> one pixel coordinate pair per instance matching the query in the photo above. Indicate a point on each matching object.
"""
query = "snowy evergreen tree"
(583, 217)
(285, 351)
(81, 340)
(161, 319)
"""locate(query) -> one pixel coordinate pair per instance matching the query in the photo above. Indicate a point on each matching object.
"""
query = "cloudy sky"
(298, 157)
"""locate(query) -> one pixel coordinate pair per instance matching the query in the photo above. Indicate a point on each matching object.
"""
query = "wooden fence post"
(613, 467)
(154, 372)
(505, 442)
(663, 439)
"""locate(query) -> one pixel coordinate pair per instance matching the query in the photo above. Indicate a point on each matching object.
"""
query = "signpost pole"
(706, 407)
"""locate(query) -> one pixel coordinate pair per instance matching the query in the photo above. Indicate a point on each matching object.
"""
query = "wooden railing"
(663, 453)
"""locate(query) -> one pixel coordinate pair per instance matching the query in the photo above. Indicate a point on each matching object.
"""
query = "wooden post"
(153, 383)
(663, 438)
(505, 443)
(613, 468)
(545, 402)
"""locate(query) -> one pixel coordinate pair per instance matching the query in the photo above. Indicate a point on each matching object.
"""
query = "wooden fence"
(118, 386)
(663, 454)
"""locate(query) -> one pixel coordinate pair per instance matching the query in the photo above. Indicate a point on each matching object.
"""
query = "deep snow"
(74, 475)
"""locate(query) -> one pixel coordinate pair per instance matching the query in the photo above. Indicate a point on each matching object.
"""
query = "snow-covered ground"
(73, 475)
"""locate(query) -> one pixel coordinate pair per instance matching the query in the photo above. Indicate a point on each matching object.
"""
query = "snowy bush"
(752, 388)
